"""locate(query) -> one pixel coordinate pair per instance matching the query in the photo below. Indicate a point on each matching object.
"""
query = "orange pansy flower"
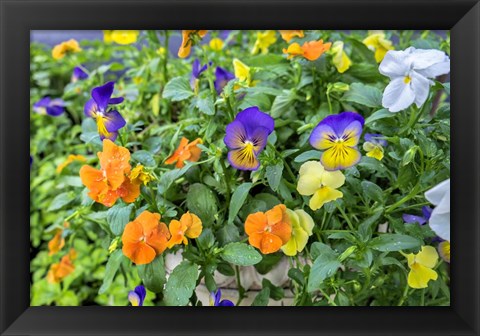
(189, 226)
(185, 152)
(145, 238)
(57, 242)
(287, 35)
(270, 230)
(69, 160)
(110, 182)
(60, 270)
(310, 50)
(187, 41)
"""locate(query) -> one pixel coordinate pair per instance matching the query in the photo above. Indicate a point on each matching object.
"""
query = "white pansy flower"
(411, 71)
(440, 219)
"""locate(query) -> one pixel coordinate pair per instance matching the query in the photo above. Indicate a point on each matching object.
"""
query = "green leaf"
(177, 89)
(240, 254)
(276, 292)
(296, 275)
(388, 242)
(155, 104)
(225, 269)
(324, 266)
(364, 95)
(180, 284)
(171, 176)
(144, 157)
(282, 104)
(62, 200)
(238, 198)
(308, 155)
(268, 262)
(262, 297)
(118, 217)
(274, 175)
(318, 249)
(205, 103)
(206, 239)
(202, 202)
(372, 191)
(228, 234)
(365, 228)
(377, 115)
(153, 274)
(111, 269)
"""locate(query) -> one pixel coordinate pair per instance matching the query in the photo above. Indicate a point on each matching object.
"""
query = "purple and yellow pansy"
(216, 302)
(109, 121)
(338, 135)
(374, 145)
(246, 137)
(137, 296)
(197, 70)
(52, 107)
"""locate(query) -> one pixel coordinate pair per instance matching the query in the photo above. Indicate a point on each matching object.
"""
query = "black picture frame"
(18, 17)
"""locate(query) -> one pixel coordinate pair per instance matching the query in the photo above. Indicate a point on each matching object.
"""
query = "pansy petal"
(252, 118)
(436, 194)
(322, 137)
(333, 179)
(140, 254)
(226, 303)
(308, 184)
(340, 157)
(440, 219)
(413, 219)
(322, 196)
(91, 108)
(114, 121)
(142, 293)
(102, 95)
(243, 159)
(235, 135)
(419, 276)
(259, 138)
(421, 87)
(398, 95)
(394, 64)
(425, 58)
(116, 100)
(290, 248)
(306, 221)
(270, 243)
(134, 299)
(55, 111)
(255, 223)
(427, 257)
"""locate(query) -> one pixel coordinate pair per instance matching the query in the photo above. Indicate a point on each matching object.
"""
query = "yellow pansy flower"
(216, 44)
(374, 145)
(377, 42)
(302, 226)
(444, 250)
(64, 48)
(243, 73)
(264, 40)
(139, 175)
(287, 35)
(339, 57)
(322, 184)
(107, 36)
(125, 37)
(421, 265)
(69, 160)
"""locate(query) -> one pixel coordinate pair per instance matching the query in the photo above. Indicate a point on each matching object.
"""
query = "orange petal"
(115, 161)
(139, 253)
(129, 191)
(255, 239)
(255, 223)
(276, 214)
(56, 244)
(314, 49)
(149, 221)
(283, 230)
(158, 238)
(270, 243)
(177, 231)
(193, 223)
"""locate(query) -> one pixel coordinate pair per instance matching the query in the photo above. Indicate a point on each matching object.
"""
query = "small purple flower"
(108, 121)
(375, 139)
(137, 296)
(197, 70)
(215, 300)
(78, 74)
(426, 213)
(222, 77)
(338, 135)
(53, 107)
(31, 161)
(246, 137)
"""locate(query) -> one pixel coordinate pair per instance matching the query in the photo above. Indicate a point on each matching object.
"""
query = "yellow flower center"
(407, 79)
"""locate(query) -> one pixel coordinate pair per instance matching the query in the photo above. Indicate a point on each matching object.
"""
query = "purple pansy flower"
(108, 121)
(222, 77)
(337, 135)
(78, 74)
(215, 300)
(426, 213)
(246, 137)
(197, 70)
(53, 107)
(137, 296)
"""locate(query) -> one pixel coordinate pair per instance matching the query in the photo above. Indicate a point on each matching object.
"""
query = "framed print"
(239, 166)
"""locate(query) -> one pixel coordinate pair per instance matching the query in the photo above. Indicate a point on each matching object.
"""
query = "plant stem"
(404, 296)
(227, 184)
(241, 290)
(344, 215)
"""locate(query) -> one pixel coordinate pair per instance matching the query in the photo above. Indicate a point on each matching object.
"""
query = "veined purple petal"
(55, 110)
(259, 139)
(113, 121)
(413, 219)
(427, 212)
(252, 118)
(339, 122)
(374, 138)
(235, 135)
(102, 94)
(91, 108)
(322, 137)
(78, 74)
(222, 77)
(116, 100)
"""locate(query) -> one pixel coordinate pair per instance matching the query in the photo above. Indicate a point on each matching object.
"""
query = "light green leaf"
(62, 200)
(202, 202)
(372, 191)
(118, 217)
(238, 198)
(177, 89)
(144, 157)
(180, 284)
(364, 95)
(394, 242)
(153, 275)
(240, 254)
(308, 155)
(205, 103)
(274, 175)
(377, 115)
(111, 269)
